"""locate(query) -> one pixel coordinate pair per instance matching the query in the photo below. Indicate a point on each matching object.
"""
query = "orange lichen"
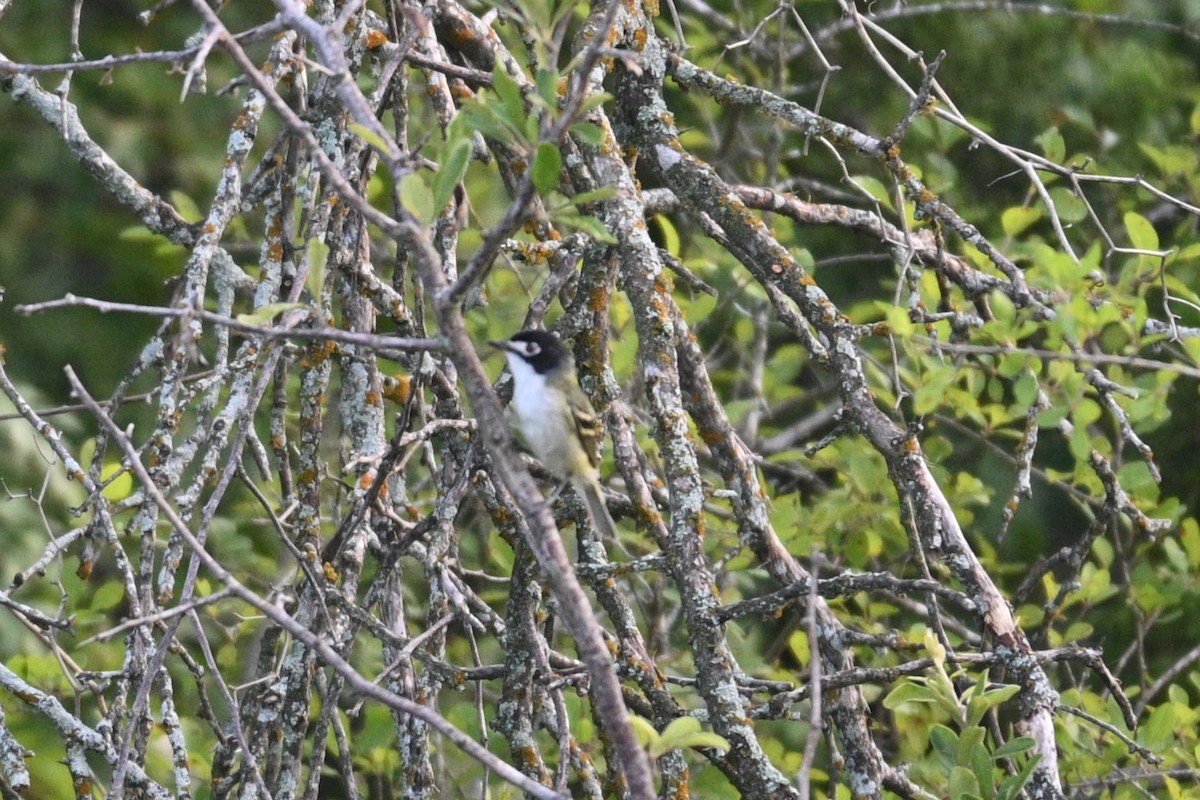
(397, 389)
(529, 756)
(317, 353)
(376, 39)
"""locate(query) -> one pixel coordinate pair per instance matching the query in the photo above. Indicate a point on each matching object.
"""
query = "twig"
(815, 724)
(1133, 362)
(379, 343)
(160, 616)
(1133, 746)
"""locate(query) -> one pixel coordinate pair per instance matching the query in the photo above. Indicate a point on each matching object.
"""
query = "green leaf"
(594, 101)
(547, 87)
(139, 233)
(1159, 730)
(1171, 161)
(686, 732)
(108, 596)
(1080, 445)
(932, 393)
(944, 740)
(681, 726)
(970, 737)
(669, 236)
(591, 133)
(264, 315)
(1137, 479)
(1069, 207)
(799, 646)
(706, 739)
(505, 86)
(898, 320)
(482, 117)
(121, 484)
(588, 225)
(1011, 787)
(417, 199)
(644, 730)
(1052, 144)
(1025, 388)
(450, 172)
(910, 691)
(943, 692)
(980, 763)
(1141, 233)
(1189, 535)
(1014, 747)
(962, 783)
(980, 704)
(1015, 220)
(874, 187)
(547, 167)
(372, 138)
(512, 111)
(1001, 694)
(317, 257)
(593, 196)
(186, 206)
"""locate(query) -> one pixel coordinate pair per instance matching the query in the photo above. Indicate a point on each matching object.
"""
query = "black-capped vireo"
(555, 417)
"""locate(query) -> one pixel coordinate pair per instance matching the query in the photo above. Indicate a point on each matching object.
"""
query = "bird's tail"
(589, 489)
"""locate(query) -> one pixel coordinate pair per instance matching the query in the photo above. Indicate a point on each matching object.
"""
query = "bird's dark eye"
(532, 349)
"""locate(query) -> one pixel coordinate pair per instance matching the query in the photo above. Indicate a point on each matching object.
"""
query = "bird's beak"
(501, 344)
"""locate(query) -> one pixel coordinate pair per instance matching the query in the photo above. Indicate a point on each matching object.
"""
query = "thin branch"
(287, 329)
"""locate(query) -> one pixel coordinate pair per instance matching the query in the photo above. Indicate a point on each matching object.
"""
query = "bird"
(556, 419)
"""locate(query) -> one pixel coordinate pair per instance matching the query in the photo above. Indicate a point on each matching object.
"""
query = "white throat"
(544, 422)
(529, 388)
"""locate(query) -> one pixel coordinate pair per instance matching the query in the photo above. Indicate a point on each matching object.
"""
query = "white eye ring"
(532, 348)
